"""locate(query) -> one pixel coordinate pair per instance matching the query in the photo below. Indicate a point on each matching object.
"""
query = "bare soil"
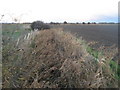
(104, 34)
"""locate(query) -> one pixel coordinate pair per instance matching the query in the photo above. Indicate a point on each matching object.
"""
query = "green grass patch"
(115, 68)
(96, 54)
(13, 31)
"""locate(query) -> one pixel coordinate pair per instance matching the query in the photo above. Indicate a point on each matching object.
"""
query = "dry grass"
(57, 59)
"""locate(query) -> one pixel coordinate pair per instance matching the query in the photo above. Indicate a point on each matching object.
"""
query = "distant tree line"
(55, 23)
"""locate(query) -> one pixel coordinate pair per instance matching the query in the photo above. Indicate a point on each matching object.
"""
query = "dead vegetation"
(57, 59)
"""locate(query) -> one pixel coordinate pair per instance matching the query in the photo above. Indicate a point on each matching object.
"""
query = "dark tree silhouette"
(89, 23)
(94, 22)
(83, 22)
(77, 22)
(39, 25)
(65, 22)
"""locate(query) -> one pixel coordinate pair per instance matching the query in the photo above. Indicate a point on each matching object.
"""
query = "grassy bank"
(57, 59)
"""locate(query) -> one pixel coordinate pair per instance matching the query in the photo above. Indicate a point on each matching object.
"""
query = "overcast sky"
(59, 10)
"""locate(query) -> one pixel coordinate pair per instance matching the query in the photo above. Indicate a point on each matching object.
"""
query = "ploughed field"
(103, 34)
